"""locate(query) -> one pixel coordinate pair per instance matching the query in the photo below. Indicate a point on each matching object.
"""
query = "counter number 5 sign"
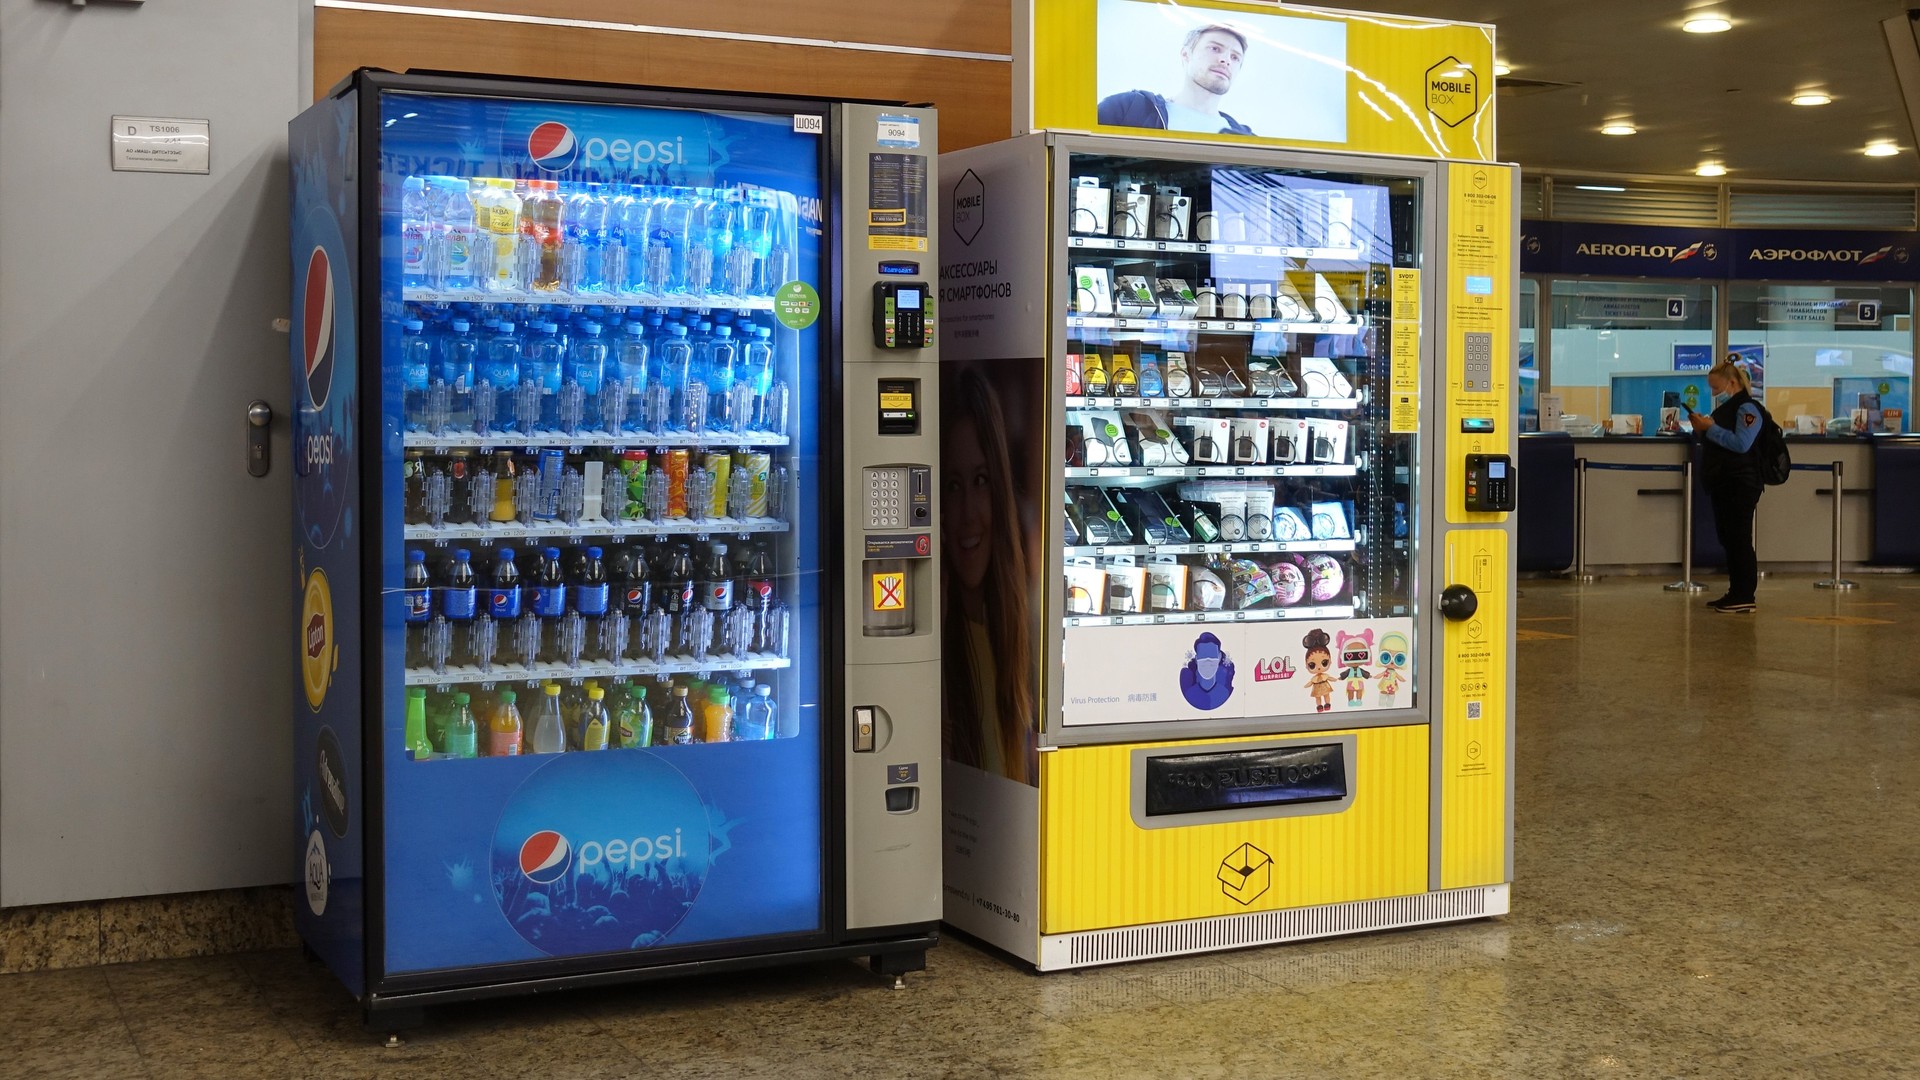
(1868, 312)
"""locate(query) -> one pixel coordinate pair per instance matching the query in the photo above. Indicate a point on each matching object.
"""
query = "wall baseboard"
(128, 929)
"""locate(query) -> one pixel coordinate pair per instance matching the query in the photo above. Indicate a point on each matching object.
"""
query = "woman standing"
(1731, 471)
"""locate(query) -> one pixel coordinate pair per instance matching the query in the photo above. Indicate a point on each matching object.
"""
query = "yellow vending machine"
(1227, 489)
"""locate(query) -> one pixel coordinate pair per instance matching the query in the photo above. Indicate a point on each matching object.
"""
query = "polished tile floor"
(1718, 876)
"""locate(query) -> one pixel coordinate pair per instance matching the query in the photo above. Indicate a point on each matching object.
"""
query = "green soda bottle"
(462, 738)
(417, 743)
(633, 724)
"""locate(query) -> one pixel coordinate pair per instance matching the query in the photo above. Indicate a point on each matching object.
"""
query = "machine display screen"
(1496, 470)
(908, 299)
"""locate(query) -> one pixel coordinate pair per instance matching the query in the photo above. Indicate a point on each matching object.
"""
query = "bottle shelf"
(514, 674)
(709, 301)
(1100, 472)
(1214, 326)
(1204, 404)
(1193, 247)
(1224, 547)
(554, 440)
(1170, 618)
(585, 527)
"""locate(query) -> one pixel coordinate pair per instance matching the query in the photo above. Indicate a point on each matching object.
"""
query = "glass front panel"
(1837, 357)
(1238, 488)
(1619, 347)
(601, 723)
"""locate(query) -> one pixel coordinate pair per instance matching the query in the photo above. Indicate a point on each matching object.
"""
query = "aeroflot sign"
(1575, 247)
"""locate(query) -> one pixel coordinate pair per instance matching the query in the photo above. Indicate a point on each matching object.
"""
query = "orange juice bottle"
(504, 730)
(716, 716)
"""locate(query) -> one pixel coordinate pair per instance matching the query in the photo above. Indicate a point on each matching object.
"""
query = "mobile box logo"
(553, 147)
(316, 321)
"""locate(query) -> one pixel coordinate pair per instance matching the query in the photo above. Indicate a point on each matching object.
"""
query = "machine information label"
(1406, 333)
(900, 131)
(900, 546)
(160, 144)
(897, 202)
(1405, 419)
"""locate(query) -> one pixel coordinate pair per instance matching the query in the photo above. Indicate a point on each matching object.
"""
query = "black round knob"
(1458, 602)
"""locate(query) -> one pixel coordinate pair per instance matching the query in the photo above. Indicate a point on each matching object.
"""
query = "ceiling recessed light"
(1812, 97)
(1501, 71)
(1711, 168)
(1882, 148)
(1618, 127)
(1597, 187)
(1707, 24)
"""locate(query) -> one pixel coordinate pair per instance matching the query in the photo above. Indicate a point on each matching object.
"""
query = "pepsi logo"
(552, 146)
(316, 320)
(545, 857)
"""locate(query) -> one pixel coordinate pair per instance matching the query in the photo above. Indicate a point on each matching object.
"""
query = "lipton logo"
(317, 654)
(1453, 92)
(316, 637)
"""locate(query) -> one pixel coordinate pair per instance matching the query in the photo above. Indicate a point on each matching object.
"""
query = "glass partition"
(1529, 359)
(1620, 346)
(1839, 354)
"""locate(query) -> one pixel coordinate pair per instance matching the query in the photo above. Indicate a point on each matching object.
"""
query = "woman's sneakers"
(1727, 605)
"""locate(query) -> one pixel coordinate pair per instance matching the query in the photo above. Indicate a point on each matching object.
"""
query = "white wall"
(145, 588)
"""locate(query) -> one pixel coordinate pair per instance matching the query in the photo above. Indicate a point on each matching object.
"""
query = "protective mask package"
(1205, 591)
(1166, 585)
(1106, 440)
(1151, 434)
(1327, 441)
(1290, 435)
(1250, 438)
(1259, 512)
(1097, 520)
(1330, 521)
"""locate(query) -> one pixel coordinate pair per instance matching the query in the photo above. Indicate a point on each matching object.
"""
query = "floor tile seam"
(126, 1026)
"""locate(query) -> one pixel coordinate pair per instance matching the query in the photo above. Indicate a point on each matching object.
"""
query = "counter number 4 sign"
(1676, 308)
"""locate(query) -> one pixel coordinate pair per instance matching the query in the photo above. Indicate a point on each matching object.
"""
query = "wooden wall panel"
(982, 26)
(974, 96)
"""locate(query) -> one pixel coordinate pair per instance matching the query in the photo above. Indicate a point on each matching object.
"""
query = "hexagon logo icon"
(969, 210)
(1453, 92)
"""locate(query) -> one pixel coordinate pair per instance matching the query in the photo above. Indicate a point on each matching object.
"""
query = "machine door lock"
(259, 438)
(1458, 602)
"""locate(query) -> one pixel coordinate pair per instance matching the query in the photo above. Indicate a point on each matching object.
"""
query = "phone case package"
(1093, 514)
(1326, 441)
(1330, 521)
(1290, 524)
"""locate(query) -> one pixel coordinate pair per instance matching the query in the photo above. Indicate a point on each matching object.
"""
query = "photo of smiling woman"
(991, 668)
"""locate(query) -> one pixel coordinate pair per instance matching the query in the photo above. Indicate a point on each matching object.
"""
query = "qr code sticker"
(1473, 710)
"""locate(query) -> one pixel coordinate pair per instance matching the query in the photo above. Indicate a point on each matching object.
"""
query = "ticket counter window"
(1529, 358)
(1620, 346)
(1834, 358)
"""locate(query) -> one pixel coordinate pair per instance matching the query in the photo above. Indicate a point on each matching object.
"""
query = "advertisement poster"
(1143, 674)
(1180, 69)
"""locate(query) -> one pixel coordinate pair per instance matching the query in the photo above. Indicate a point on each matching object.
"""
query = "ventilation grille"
(1839, 210)
(1533, 196)
(1271, 927)
(1511, 86)
(1575, 200)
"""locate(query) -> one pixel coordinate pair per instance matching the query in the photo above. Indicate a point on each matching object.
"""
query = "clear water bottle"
(416, 372)
(630, 360)
(459, 351)
(548, 732)
(626, 229)
(681, 228)
(656, 276)
(750, 274)
(500, 372)
(585, 370)
(586, 240)
(723, 358)
(760, 719)
(721, 217)
(668, 390)
(546, 369)
(454, 233)
(414, 232)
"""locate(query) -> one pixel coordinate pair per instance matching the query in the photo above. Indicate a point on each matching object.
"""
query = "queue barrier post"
(1836, 582)
(1580, 522)
(1686, 582)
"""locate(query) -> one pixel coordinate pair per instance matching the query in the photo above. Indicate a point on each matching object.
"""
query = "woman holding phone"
(1731, 471)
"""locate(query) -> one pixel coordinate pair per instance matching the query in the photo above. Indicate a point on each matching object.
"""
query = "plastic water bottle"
(722, 360)
(506, 735)
(454, 233)
(719, 219)
(414, 232)
(497, 217)
(749, 271)
(630, 360)
(585, 369)
(416, 724)
(542, 224)
(548, 732)
(759, 719)
(624, 261)
(590, 588)
(417, 588)
(458, 352)
(665, 395)
(586, 240)
(416, 372)
(500, 369)
(546, 369)
(657, 273)
(683, 233)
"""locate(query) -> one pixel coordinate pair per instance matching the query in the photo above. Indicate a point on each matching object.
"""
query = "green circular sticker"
(796, 305)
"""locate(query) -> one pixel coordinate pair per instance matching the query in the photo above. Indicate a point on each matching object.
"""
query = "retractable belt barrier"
(1580, 467)
(1836, 582)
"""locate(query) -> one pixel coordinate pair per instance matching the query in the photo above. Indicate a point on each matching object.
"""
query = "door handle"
(259, 443)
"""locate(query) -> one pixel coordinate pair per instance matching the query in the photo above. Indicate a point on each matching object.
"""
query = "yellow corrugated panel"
(1473, 730)
(1099, 869)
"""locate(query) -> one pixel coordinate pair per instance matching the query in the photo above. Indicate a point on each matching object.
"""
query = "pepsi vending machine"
(619, 632)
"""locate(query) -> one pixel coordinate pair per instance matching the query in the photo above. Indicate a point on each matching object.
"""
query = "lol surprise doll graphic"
(1319, 662)
(1356, 652)
(1394, 648)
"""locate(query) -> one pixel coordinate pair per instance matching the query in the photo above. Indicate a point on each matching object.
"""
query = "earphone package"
(1166, 584)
